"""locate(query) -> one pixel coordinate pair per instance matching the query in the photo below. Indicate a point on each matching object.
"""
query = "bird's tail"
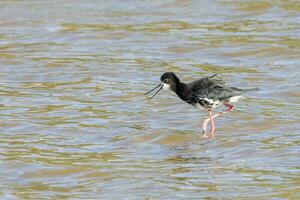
(243, 90)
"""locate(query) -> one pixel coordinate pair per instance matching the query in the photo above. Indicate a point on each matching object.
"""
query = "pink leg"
(211, 117)
(204, 126)
(205, 123)
(229, 107)
(212, 125)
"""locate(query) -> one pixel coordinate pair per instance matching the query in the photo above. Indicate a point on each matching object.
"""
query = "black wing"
(210, 88)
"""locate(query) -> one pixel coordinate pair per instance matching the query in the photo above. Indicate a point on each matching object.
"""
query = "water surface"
(75, 124)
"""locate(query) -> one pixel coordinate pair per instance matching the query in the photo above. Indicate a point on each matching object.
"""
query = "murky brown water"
(75, 124)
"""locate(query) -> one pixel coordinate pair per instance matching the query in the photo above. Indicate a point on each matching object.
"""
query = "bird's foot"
(208, 135)
(205, 135)
(212, 134)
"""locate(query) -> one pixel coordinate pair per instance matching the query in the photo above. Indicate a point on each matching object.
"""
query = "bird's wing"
(220, 93)
(210, 87)
(215, 79)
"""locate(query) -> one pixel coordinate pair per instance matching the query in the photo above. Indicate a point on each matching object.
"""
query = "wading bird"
(208, 93)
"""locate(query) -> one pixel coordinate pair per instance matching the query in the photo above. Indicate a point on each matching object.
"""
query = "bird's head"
(168, 81)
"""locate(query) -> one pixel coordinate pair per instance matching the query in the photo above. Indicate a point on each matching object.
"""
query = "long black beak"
(160, 85)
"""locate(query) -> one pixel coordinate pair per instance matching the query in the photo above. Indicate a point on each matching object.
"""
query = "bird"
(207, 93)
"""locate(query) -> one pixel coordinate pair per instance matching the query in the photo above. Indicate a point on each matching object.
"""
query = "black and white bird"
(208, 93)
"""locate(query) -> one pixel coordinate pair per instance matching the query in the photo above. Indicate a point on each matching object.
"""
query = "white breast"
(209, 103)
(235, 99)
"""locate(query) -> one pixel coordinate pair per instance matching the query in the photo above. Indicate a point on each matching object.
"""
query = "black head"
(170, 81)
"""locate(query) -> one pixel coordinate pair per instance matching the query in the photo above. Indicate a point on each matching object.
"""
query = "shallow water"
(75, 123)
